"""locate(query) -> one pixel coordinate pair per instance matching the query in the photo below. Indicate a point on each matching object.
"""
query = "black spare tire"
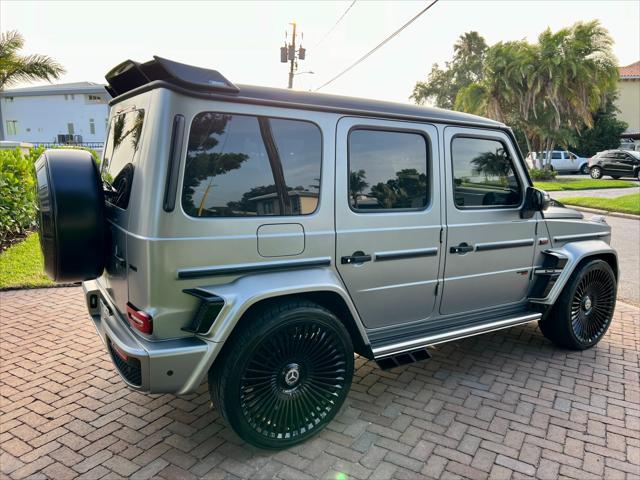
(71, 213)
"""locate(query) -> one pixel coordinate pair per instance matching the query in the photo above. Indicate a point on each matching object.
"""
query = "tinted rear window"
(242, 165)
(120, 151)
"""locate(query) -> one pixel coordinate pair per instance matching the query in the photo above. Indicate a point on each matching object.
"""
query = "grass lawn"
(624, 204)
(21, 265)
(582, 184)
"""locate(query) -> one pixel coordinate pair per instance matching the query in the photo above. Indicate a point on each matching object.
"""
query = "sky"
(242, 39)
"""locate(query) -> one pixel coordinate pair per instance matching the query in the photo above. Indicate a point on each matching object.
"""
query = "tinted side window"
(387, 170)
(556, 155)
(241, 165)
(119, 155)
(483, 174)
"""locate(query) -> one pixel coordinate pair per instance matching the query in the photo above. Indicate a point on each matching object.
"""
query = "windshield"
(120, 151)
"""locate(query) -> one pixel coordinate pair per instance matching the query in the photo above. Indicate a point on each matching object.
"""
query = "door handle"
(356, 257)
(462, 248)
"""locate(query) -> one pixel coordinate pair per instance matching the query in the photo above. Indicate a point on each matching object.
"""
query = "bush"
(17, 193)
(18, 190)
(542, 174)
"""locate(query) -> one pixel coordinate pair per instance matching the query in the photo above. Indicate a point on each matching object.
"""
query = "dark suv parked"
(616, 163)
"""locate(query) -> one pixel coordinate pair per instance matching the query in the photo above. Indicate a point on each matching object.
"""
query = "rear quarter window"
(246, 166)
(123, 142)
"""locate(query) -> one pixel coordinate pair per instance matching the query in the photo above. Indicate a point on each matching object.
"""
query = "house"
(74, 113)
(628, 101)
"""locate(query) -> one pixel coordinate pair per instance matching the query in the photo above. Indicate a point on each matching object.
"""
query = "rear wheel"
(584, 170)
(595, 172)
(284, 375)
(583, 312)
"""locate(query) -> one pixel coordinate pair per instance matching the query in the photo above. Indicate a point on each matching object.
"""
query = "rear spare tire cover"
(71, 214)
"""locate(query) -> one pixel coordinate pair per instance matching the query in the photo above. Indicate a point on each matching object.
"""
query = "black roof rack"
(130, 75)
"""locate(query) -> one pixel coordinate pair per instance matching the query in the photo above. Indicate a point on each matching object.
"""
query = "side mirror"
(535, 200)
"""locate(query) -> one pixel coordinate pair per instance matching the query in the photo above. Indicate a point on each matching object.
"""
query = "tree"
(357, 184)
(16, 68)
(550, 89)
(604, 135)
(442, 85)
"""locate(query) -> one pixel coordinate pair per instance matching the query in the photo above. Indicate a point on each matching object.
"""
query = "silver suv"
(256, 238)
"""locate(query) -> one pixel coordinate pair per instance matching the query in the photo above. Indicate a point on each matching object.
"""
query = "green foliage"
(542, 174)
(442, 85)
(548, 91)
(22, 265)
(23, 68)
(17, 193)
(625, 203)
(18, 189)
(604, 135)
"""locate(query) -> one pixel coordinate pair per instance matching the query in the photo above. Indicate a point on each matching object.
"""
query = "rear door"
(388, 218)
(489, 248)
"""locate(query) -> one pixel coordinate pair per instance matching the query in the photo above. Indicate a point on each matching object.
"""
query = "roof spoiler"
(129, 75)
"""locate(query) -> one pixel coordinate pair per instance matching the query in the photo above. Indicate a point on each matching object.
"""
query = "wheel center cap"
(292, 374)
(586, 303)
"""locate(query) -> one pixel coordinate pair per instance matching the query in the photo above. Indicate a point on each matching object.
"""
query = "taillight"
(139, 319)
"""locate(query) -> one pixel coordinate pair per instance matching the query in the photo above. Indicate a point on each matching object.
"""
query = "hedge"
(18, 190)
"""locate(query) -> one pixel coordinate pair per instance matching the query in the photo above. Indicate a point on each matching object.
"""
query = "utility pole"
(289, 54)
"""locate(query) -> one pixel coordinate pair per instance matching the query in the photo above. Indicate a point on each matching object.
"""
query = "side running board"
(401, 353)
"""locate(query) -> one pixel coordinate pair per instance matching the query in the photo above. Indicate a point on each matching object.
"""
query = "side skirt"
(389, 355)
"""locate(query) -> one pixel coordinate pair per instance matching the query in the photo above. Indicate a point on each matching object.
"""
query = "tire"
(584, 169)
(71, 215)
(595, 172)
(583, 312)
(284, 374)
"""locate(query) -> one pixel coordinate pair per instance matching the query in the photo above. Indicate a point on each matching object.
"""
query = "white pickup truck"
(561, 161)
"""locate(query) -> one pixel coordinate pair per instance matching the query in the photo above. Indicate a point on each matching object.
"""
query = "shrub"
(18, 189)
(542, 174)
(17, 193)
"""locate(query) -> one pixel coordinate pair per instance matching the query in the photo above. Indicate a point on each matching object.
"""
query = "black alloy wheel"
(285, 376)
(583, 312)
(592, 305)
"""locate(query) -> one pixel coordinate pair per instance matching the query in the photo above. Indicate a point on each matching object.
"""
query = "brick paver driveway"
(502, 405)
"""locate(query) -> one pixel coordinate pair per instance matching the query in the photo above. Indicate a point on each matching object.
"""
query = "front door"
(388, 218)
(489, 248)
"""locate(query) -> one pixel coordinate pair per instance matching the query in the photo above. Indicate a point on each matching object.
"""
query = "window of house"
(12, 127)
(242, 166)
(484, 174)
(387, 170)
(94, 98)
(92, 126)
(70, 128)
(8, 99)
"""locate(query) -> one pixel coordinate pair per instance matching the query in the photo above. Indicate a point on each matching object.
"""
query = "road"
(625, 238)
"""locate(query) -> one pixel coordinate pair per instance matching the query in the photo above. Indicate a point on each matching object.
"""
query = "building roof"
(630, 72)
(55, 89)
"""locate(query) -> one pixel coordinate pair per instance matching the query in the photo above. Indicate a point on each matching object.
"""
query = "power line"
(373, 50)
(335, 24)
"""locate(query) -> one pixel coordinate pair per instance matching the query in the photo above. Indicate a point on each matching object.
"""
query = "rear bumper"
(168, 366)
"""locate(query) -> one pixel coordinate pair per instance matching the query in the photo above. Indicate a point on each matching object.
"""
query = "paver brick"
(504, 405)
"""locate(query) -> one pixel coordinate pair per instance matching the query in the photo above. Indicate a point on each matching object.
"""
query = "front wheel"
(583, 312)
(284, 375)
(595, 172)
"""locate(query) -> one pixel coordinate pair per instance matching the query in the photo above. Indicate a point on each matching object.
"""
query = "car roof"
(131, 78)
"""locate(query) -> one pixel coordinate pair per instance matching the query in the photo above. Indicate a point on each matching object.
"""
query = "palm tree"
(23, 68)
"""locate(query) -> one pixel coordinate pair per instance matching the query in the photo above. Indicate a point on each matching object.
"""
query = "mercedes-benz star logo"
(292, 376)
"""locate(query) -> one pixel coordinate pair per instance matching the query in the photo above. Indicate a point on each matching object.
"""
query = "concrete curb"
(603, 212)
